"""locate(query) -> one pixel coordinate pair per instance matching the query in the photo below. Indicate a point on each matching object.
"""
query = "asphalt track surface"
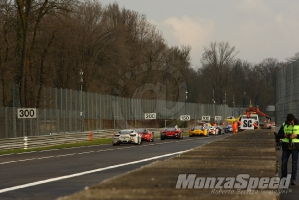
(55, 173)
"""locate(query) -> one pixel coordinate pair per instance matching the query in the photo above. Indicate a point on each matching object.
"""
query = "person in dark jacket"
(286, 147)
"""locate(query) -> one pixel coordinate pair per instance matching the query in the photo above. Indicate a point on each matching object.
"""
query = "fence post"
(101, 116)
(70, 111)
(14, 116)
(96, 112)
(25, 142)
(6, 121)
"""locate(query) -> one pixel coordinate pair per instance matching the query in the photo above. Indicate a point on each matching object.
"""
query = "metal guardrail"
(28, 142)
(53, 139)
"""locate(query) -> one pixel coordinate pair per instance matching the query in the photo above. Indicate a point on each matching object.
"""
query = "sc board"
(247, 123)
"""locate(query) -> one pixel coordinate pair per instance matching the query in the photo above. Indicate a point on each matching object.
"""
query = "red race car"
(146, 134)
(171, 133)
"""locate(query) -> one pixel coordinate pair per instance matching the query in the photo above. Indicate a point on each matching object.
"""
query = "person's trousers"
(284, 163)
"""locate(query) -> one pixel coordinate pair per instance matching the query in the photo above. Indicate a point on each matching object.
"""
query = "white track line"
(86, 172)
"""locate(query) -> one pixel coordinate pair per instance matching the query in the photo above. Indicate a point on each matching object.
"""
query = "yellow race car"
(198, 130)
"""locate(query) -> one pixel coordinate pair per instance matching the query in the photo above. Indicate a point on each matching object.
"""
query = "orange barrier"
(90, 136)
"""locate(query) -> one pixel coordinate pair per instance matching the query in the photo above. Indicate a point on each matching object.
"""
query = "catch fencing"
(287, 93)
(71, 111)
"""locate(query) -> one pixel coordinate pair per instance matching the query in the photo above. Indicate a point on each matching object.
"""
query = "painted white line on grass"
(86, 172)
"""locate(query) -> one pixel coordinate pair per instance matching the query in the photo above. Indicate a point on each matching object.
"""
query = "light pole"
(186, 105)
(234, 105)
(244, 100)
(165, 123)
(213, 100)
(214, 108)
(186, 101)
(81, 99)
(195, 122)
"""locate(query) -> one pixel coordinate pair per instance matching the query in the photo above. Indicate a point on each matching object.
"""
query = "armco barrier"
(52, 139)
(249, 152)
(28, 142)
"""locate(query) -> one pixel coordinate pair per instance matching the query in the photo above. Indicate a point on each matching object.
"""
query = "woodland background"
(46, 43)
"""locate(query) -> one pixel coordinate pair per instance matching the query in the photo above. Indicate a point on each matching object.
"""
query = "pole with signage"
(26, 113)
(81, 100)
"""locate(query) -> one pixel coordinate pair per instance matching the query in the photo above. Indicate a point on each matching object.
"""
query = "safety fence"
(287, 93)
(70, 111)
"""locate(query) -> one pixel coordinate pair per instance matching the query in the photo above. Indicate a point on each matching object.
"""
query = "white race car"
(212, 130)
(127, 136)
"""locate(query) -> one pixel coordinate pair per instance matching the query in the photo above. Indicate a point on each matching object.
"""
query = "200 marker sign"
(185, 117)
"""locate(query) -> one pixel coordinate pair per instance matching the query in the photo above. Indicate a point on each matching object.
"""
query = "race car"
(220, 130)
(171, 133)
(146, 134)
(198, 131)
(127, 136)
(228, 129)
(212, 130)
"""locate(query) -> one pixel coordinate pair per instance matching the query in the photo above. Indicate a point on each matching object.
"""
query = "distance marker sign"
(26, 113)
(218, 118)
(247, 123)
(205, 118)
(150, 115)
(185, 117)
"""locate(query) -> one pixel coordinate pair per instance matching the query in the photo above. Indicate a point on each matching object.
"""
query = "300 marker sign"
(26, 112)
(150, 115)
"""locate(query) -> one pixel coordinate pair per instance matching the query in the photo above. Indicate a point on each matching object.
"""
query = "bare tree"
(7, 49)
(96, 37)
(293, 58)
(217, 61)
(47, 43)
(238, 80)
(30, 15)
(268, 69)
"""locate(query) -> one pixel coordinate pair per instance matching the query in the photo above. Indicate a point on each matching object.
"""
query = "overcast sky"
(259, 29)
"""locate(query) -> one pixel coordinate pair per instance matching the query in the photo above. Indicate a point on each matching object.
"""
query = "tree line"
(46, 43)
